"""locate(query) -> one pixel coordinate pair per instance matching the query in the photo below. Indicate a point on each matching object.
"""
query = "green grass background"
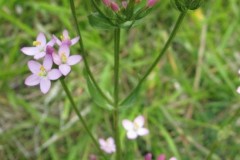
(189, 100)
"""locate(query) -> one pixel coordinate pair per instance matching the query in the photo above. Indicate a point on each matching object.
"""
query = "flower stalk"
(80, 116)
(116, 91)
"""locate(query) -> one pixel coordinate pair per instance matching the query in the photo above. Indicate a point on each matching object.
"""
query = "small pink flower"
(40, 47)
(64, 60)
(107, 2)
(135, 128)
(148, 156)
(42, 74)
(115, 6)
(124, 4)
(151, 3)
(161, 157)
(173, 158)
(108, 145)
(65, 39)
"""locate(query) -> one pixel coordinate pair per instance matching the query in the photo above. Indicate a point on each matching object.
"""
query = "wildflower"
(65, 39)
(135, 128)
(124, 4)
(64, 60)
(40, 47)
(108, 145)
(151, 3)
(114, 7)
(42, 74)
(160, 157)
(107, 2)
(148, 156)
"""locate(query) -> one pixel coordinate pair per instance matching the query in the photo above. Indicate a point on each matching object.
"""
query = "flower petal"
(51, 42)
(34, 66)
(41, 38)
(30, 51)
(54, 74)
(139, 120)
(128, 125)
(65, 34)
(72, 60)
(74, 40)
(47, 62)
(39, 55)
(142, 131)
(238, 90)
(131, 135)
(57, 40)
(32, 80)
(161, 157)
(173, 158)
(64, 49)
(102, 142)
(45, 85)
(56, 59)
(65, 69)
(148, 156)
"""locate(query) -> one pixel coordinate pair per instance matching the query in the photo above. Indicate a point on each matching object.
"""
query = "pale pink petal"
(102, 142)
(148, 156)
(124, 4)
(139, 120)
(30, 51)
(72, 60)
(65, 69)
(48, 62)
(107, 2)
(32, 80)
(238, 90)
(65, 34)
(74, 40)
(64, 49)
(34, 66)
(161, 157)
(57, 40)
(128, 125)
(110, 141)
(54, 74)
(41, 38)
(45, 85)
(173, 158)
(131, 135)
(142, 131)
(56, 59)
(39, 55)
(51, 42)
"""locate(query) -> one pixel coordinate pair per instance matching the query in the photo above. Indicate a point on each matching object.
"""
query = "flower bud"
(124, 4)
(106, 2)
(115, 7)
(183, 5)
(151, 3)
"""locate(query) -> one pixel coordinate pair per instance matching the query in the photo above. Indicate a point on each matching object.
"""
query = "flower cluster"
(46, 58)
(124, 4)
(134, 129)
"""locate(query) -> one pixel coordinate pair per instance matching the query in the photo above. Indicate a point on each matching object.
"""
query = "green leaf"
(131, 99)
(96, 20)
(96, 96)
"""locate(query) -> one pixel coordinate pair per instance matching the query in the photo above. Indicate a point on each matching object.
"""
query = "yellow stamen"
(42, 72)
(62, 37)
(36, 43)
(63, 58)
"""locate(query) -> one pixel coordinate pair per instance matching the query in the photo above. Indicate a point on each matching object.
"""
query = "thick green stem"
(80, 116)
(172, 35)
(84, 54)
(116, 91)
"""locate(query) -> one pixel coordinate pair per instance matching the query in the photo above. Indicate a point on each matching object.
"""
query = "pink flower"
(148, 156)
(161, 157)
(107, 2)
(42, 74)
(65, 39)
(124, 4)
(115, 6)
(173, 158)
(135, 128)
(108, 145)
(151, 3)
(64, 60)
(40, 47)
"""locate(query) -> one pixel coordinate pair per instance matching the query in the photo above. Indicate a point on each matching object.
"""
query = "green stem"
(84, 54)
(116, 91)
(80, 116)
(172, 35)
